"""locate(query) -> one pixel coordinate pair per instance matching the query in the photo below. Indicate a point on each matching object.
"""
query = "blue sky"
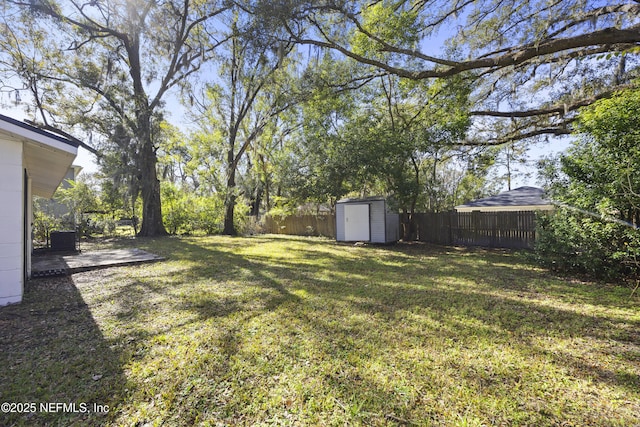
(87, 160)
(8, 108)
(176, 115)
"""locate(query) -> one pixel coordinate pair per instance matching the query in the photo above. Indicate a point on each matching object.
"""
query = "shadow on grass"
(53, 353)
(506, 303)
(321, 303)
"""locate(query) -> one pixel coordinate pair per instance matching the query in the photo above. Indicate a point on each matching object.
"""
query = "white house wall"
(11, 221)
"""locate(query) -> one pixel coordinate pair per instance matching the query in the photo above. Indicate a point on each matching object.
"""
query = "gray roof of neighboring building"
(522, 196)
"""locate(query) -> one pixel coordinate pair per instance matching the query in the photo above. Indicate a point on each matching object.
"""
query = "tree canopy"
(534, 63)
(108, 70)
(604, 164)
(597, 180)
(314, 100)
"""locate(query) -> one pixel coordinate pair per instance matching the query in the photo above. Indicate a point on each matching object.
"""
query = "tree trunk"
(409, 226)
(406, 227)
(508, 170)
(256, 201)
(229, 226)
(150, 188)
(267, 194)
(230, 201)
(410, 230)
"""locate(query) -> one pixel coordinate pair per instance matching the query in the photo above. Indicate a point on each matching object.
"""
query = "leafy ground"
(276, 330)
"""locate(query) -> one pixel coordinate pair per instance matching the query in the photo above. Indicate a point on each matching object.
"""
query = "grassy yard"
(276, 330)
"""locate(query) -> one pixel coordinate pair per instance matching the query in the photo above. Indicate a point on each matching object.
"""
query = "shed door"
(356, 223)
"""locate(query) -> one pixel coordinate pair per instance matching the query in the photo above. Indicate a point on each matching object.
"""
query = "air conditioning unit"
(63, 241)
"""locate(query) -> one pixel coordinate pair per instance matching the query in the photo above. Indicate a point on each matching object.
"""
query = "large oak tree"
(107, 67)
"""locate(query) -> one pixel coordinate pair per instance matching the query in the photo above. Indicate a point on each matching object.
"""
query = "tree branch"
(502, 58)
(186, 29)
(557, 109)
(60, 132)
(556, 131)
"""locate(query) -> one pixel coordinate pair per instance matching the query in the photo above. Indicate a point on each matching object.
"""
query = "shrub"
(184, 212)
(571, 241)
(176, 209)
(208, 214)
(108, 225)
(43, 224)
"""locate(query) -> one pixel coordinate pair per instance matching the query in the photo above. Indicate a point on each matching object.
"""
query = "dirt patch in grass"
(275, 330)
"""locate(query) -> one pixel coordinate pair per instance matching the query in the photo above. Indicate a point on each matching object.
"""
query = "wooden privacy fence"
(516, 229)
(302, 225)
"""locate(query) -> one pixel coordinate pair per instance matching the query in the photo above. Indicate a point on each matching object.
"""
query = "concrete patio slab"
(59, 265)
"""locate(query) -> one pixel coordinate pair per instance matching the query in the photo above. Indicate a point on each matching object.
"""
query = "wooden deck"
(52, 264)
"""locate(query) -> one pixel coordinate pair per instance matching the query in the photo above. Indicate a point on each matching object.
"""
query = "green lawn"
(277, 330)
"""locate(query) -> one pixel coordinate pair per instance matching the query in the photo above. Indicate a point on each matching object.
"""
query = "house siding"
(340, 222)
(393, 227)
(11, 221)
(377, 224)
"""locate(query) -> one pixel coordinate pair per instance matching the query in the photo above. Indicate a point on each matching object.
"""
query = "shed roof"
(47, 156)
(362, 199)
(522, 198)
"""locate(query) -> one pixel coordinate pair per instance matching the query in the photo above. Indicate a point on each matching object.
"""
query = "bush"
(43, 224)
(185, 212)
(571, 241)
(108, 225)
(208, 214)
(244, 223)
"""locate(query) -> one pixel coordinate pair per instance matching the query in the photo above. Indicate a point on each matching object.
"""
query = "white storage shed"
(32, 163)
(366, 220)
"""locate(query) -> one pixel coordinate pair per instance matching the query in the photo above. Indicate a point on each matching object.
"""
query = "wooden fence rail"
(515, 229)
(492, 229)
(301, 225)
